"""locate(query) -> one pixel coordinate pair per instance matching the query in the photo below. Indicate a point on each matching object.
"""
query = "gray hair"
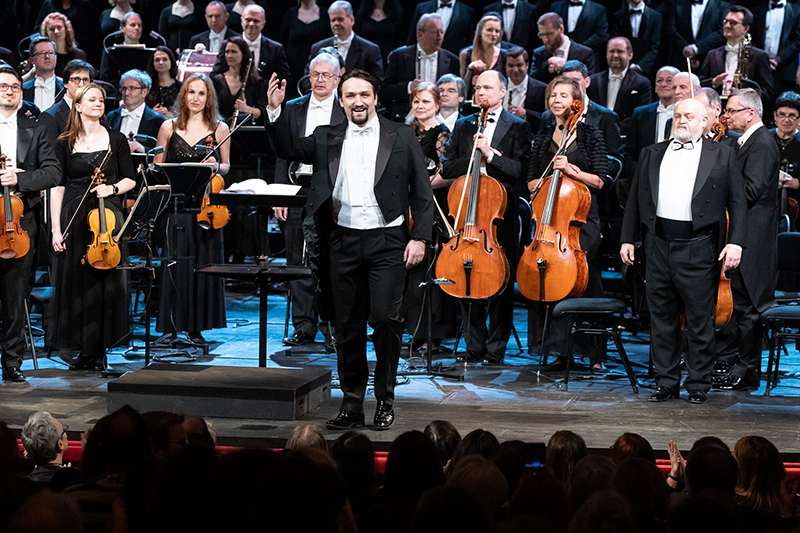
(669, 69)
(711, 95)
(452, 78)
(424, 19)
(216, 3)
(692, 77)
(141, 77)
(40, 437)
(341, 4)
(306, 436)
(128, 16)
(325, 57)
(749, 98)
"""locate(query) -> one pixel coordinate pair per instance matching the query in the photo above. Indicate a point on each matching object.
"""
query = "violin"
(473, 259)
(553, 266)
(14, 241)
(213, 216)
(103, 252)
(720, 129)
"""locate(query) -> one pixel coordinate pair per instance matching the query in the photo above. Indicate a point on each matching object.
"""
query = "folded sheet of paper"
(259, 186)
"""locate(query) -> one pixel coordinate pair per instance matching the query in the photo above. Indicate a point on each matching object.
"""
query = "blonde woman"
(58, 29)
(485, 53)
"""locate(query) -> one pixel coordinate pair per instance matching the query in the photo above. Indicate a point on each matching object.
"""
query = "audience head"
(216, 16)
(197, 95)
(551, 30)
(355, 459)
(167, 434)
(358, 95)
(306, 436)
(684, 85)
(162, 60)
(43, 56)
(452, 93)
(737, 23)
(254, 18)
(510, 459)
(131, 26)
(744, 109)
(11, 96)
(134, 87)
(430, 32)
(478, 442)
(713, 511)
(118, 443)
(77, 73)
(631, 445)
(324, 75)
(564, 450)
(450, 508)
(710, 99)
(57, 26)
(708, 441)
(517, 63)
(640, 482)
(481, 478)
(342, 19)
(198, 433)
(46, 511)
(491, 87)
(761, 474)
(787, 113)
(592, 474)
(603, 512)
(663, 86)
(442, 433)
(712, 467)
(577, 71)
(540, 494)
(44, 438)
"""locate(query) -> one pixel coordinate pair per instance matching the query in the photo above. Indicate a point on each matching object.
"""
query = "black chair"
(604, 317)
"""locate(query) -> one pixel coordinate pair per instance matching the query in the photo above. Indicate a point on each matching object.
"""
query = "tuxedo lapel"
(707, 159)
(335, 144)
(503, 125)
(25, 128)
(385, 145)
(655, 169)
(354, 54)
(604, 89)
(300, 118)
(649, 126)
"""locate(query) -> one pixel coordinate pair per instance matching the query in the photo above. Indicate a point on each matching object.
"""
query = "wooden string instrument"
(14, 241)
(213, 216)
(103, 252)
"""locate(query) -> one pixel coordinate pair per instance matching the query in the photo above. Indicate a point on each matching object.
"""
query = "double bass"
(473, 259)
(14, 241)
(103, 252)
(553, 266)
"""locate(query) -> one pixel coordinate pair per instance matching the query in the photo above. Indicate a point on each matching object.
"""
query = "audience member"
(564, 450)
(540, 496)
(166, 433)
(445, 438)
(604, 512)
(712, 468)
(449, 508)
(306, 436)
(631, 445)
(477, 442)
(46, 511)
(592, 474)
(641, 483)
(45, 441)
(484, 480)
(510, 459)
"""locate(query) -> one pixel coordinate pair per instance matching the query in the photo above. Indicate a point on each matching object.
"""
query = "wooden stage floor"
(512, 400)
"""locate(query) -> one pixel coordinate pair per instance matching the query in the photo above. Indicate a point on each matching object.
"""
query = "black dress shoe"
(196, 337)
(298, 339)
(384, 416)
(721, 368)
(87, 363)
(735, 383)
(14, 374)
(346, 420)
(697, 396)
(469, 357)
(492, 359)
(662, 394)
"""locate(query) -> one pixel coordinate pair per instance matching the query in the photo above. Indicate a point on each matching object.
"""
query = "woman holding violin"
(190, 302)
(583, 160)
(92, 303)
(238, 85)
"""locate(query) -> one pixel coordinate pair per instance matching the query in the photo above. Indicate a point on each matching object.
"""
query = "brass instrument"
(742, 65)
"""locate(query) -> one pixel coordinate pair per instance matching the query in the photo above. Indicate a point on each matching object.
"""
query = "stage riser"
(223, 392)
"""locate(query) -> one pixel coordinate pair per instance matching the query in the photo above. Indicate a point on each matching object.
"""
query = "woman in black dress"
(92, 304)
(178, 22)
(302, 26)
(485, 53)
(110, 19)
(188, 301)
(381, 22)
(163, 70)
(585, 161)
(233, 77)
(58, 28)
(84, 18)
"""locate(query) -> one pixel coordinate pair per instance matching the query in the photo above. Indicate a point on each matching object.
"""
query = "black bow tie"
(508, 6)
(576, 3)
(445, 4)
(677, 145)
(776, 5)
(697, 2)
(636, 11)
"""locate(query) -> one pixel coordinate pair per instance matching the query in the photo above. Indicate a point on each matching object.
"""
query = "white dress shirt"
(44, 92)
(573, 14)
(215, 39)
(697, 16)
(255, 49)
(746, 135)
(614, 85)
(678, 173)
(131, 120)
(8, 138)
(509, 14)
(663, 115)
(563, 50)
(491, 125)
(450, 121)
(445, 12)
(774, 22)
(68, 100)
(636, 18)
(426, 66)
(343, 47)
(355, 205)
(516, 93)
(319, 114)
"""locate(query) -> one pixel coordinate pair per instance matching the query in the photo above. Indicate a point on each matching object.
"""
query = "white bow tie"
(41, 84)
(317, 105)
(734, 48)
(126, 113)
(337, 42)
(363, 132)
(615, 77)
(667, 109)
(423, 55)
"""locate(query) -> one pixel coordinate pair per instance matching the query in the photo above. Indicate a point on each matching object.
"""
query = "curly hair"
(69, 34)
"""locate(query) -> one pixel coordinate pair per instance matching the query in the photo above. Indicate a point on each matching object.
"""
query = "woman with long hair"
(92, 304)
(110, 18)
(163, 70)
(234, 77)
(191, 302)
(485, 53)
(58, 29)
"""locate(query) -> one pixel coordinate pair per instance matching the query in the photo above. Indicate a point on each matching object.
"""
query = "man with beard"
(549, 59)
(680, 192)
(368, 171)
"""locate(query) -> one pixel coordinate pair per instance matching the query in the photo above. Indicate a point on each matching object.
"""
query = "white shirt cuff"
(273, 115)
(734, 246)
(489, 159)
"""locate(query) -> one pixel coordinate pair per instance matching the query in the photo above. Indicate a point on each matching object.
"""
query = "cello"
(472, 259)
(14, 241)
(103, 252)
(553, 266)
(724, 309)
(213, 216)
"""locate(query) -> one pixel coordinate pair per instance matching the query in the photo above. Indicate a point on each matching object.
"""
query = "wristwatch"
(115, 189)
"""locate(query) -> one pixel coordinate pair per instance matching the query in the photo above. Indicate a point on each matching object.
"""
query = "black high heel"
(83, 362)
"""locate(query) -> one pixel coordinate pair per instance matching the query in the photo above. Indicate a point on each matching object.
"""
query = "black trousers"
(682, 271)
(367, 278)
(304, 302)
(747, 331)
(16, 276)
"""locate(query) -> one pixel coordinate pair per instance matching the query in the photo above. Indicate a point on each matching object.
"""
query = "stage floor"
(512, 400)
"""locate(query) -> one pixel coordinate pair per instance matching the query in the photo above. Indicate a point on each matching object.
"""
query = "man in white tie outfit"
(218, 31)
(136, 120)
(45, 87)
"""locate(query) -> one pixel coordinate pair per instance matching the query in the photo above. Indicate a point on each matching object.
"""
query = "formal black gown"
(388, 33)
(92, 305)
(188, 301)
(178, 31)
(255, 93)
(63, 59)
(165, 96)
(297, 38)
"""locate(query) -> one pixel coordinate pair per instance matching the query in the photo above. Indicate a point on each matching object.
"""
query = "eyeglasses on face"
(15, 88)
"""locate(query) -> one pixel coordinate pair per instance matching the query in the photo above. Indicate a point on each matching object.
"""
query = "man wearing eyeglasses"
(45, 87)
(31, 167)
(721, 64)
(753, 283)
(45, 440)
(787, 121)
(136, 120)
(77, 73)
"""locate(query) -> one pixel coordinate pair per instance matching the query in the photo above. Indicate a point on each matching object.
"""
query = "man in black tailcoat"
(549, 59)
(641, 24)
(32, 168)
(458, 18)
(368, 171)
(677, 207)
(697, 29)
(586, 22)
(519, 21)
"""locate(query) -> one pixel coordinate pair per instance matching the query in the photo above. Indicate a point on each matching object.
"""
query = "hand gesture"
(276, 92)
(677, 463)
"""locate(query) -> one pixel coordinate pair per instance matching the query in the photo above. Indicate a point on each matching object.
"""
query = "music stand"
(129, 57)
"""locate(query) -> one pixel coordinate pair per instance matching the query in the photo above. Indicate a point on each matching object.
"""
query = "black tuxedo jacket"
(577, 51)
(646, 46)
(709, 36)
(641, 134)
(526, 29)
(401, 69)
(759, 161)
(36, 156)
(29, 88)
(718, 186)
(8, 57)
(54, 119)
(592, 28)
(759, 71)
(149, 125)
(459, 33)
(363, 54)
(534, 102)
(296, 112)
(790, 38)
(272, 59)
(603, 119)
(204, 38)
(635, 91)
